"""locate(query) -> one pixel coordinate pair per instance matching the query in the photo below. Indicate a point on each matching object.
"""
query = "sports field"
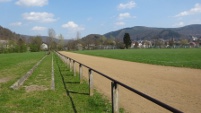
(176, 86)
(169, 57)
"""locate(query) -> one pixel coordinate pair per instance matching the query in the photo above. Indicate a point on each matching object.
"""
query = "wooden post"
(64, 60)
(115, 97)
(70, 65)
(90, 83)
(68, 62)
(80, 72)
(74, 68)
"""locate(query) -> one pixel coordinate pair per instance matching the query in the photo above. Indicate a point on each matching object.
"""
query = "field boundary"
(52, 83)
(189, 58)
(21, 81)
(114, 86)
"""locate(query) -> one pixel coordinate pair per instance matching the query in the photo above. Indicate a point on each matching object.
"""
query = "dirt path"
(178, 87)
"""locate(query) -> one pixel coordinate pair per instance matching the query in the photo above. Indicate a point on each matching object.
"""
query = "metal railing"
(114, 86)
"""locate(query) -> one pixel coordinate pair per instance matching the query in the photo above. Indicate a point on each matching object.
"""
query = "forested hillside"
(11, 42)
(6, 34)
(147, 33)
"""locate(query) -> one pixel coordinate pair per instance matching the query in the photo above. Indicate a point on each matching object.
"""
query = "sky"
(70, 17)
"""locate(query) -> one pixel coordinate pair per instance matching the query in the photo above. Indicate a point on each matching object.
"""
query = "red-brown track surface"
(177, 87)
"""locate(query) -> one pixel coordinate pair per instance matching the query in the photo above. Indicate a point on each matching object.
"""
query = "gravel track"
(177, 87)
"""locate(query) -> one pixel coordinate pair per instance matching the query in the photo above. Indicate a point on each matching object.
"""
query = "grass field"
(169, 57)
(69, 96)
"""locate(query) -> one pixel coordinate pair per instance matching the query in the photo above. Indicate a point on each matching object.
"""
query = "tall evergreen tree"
(127, 40)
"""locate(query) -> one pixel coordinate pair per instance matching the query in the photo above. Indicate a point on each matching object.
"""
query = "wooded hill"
(11, 42)
(157, 36)
(6, 34)
(148, 33)
(115, 38)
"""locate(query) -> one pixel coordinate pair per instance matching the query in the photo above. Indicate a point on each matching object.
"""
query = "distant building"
(194, 38)
(4, 43)
(44, 46)
(79, 46)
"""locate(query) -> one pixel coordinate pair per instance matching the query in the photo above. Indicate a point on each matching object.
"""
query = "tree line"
(11, 42)
(95, 41)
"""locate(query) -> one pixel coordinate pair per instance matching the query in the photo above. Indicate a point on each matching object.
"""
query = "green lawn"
(169, 57)
(69, 95)
(18, 64)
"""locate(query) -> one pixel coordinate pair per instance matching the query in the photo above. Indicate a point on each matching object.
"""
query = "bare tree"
(184, 42)
(61, 42)
(78, 35)
(50, 40)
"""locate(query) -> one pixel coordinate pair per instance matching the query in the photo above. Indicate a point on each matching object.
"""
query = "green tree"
(102, 40)
(21, 45)
(35, 44)
(127, 40)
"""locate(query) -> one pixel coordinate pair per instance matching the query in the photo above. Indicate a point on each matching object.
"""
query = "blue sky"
(67, 17)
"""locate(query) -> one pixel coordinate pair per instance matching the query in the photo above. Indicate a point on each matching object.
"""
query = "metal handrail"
(170, 108)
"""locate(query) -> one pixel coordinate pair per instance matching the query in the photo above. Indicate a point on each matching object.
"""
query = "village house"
(4, 44)
(44, 46)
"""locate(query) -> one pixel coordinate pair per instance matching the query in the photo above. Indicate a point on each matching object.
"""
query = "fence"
(114, 86)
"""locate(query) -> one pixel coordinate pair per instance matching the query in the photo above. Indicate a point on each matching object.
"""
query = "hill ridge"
(143, 32)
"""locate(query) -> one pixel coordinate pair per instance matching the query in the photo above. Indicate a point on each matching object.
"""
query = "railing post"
(80, 72)
(68, 61)
(90, 83)
(70, 65)
(115, 97)
(64, 60)
(74, 68)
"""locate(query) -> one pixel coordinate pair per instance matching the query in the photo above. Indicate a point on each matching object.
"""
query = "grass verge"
(69, 95)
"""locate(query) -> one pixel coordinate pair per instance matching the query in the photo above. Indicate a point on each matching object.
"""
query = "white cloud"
(128, 5)
(119, 23)
(39, 28)
(180, 24)
(30, 3)
(72, 26)
(126, 15)
(16, 24)
(39, 16)
(5, 1)
(196, 9)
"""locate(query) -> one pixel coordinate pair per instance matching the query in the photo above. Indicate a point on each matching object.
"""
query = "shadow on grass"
(78, 93)
(64, 73)
(67, 91)
(73, 82)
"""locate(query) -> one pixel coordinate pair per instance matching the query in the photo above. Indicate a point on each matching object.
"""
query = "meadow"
(36, 96)
(190, 58)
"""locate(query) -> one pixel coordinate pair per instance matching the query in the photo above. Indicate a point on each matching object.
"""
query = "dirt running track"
(178, 87)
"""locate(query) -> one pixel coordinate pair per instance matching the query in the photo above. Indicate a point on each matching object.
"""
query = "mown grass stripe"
(52, 83)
